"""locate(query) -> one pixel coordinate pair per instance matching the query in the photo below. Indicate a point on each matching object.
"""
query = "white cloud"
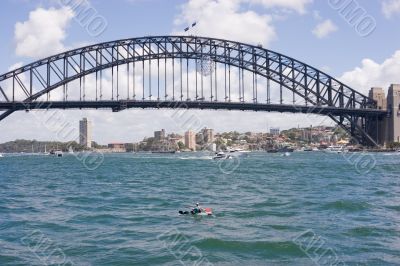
(43, 33)
(372, 74)
(297, 5)
(390, 7)
(225, 19)
(324, 28)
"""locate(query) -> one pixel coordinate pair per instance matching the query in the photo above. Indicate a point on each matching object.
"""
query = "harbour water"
(301, 209)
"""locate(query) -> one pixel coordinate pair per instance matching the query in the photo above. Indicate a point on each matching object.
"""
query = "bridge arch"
(320, 93)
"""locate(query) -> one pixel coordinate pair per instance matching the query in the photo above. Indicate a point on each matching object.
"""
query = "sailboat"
(45, 150)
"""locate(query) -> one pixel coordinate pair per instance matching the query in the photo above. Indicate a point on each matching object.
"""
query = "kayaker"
(196, 209)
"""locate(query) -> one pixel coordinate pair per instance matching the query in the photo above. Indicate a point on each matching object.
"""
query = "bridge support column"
(393, 104)
(375, 126)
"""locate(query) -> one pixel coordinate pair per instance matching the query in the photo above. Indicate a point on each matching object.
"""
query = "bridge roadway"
(128, 104)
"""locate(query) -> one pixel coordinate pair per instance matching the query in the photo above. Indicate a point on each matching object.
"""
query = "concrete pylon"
(393, 121)
(377, 128)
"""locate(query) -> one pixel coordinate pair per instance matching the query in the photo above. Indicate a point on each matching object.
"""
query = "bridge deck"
(127, 104)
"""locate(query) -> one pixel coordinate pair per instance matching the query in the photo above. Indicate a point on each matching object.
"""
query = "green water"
(307, 208)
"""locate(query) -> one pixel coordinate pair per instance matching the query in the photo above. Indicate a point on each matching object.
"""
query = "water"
(272, 210)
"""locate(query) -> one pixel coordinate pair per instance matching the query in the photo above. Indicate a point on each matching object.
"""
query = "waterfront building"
(274, 131)
(85, 133)
(190, 140)
(159, 135)
(117, 147)
(208, 135)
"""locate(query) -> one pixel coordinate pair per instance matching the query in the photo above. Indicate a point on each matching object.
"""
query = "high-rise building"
(85, 133)
(159, 135)
(190, 140)
(208, 135)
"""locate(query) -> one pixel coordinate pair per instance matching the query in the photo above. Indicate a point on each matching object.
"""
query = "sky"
(362, 53)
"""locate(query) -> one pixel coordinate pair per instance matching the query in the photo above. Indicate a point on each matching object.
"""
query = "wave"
(347, 205)
(365, 231)
(275, 248)
(196, 158)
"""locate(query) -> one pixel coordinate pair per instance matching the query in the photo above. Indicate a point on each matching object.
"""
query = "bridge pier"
(385, 130)
(393, 103)
(377, 126)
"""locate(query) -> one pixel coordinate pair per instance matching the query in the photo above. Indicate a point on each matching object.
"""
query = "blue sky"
(287, 26)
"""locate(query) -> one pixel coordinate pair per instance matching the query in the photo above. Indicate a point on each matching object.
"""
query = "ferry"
(335, 149)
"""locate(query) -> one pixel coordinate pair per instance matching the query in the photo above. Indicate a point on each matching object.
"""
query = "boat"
(1, 155)
(222, 156)
(205, 212)
(335, 149)
(164, 152)
(238, 152)
(286, 149)
(57, 153)
(70, 150)
(286, 154)
(45, 151)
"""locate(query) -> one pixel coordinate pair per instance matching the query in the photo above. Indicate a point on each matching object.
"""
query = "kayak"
(205, 212)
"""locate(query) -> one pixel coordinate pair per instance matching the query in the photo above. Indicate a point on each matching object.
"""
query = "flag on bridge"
(193, 25)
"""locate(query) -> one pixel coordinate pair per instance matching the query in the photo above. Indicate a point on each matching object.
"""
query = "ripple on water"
(347, 206)
(268, 248)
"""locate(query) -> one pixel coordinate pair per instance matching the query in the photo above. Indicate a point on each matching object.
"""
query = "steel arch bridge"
(185, 72)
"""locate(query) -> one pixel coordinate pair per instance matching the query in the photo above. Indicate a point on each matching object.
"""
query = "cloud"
(372, 74)
(43, 33)
(225, 19)
(297, 5)
(390, 7)
(324, 28)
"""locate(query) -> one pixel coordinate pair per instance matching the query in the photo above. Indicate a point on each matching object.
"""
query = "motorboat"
(222, 156)
(57, 153)
(238, 152)
(286, 149)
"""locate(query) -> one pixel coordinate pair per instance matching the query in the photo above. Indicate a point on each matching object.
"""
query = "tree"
(181, 145)
(394, 145)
